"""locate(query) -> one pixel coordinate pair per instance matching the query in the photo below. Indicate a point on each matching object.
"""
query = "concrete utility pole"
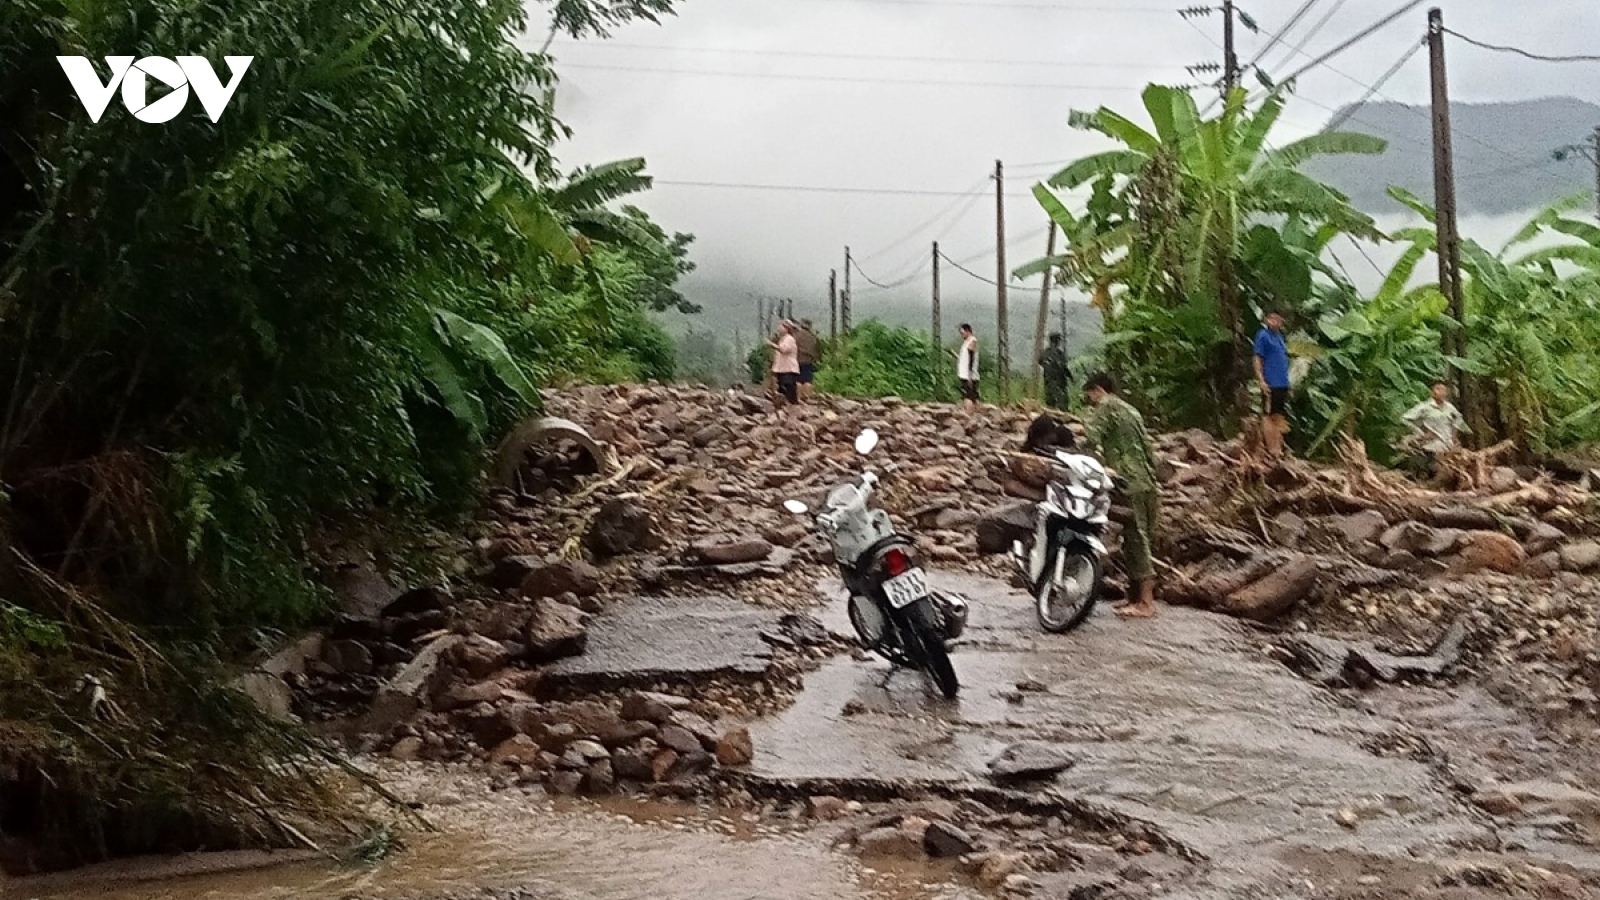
(1230, 59)
(1043, 323)
(938, 331)
(1444, 190)
(833, 304)
(844, 299)
(1003, 338)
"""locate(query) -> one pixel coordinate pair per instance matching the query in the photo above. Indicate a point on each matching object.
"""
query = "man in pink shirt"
(786, 364)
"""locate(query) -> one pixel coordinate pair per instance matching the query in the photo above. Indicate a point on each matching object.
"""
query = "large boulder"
(621, 527)
(412, 687)
(1420, 539)
(1489, 551)
(725, 551)
(1359, 528)
(998, 527)
(555, 631)
(1581, 556)
(564, 576)
(1277, 593)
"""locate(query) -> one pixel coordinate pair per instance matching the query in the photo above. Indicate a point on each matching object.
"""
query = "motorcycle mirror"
(796, 507)
(866, 441)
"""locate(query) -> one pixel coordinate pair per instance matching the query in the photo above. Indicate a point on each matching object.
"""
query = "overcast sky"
(924, 96)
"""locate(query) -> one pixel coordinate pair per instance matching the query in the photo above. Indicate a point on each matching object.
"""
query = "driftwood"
(1469, 470)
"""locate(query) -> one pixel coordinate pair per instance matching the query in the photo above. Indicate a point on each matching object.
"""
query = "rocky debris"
(1489, 551)
(735, 748)
(412, 687)
(999, 527)
(560, 577)
(943, 840)
(1359, 664)
(554, 631)
(1582, 556)
(723, 551)
(1030, 759)
(621, 527)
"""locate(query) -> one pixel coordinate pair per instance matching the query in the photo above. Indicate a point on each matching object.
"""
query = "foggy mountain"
(1502, 155)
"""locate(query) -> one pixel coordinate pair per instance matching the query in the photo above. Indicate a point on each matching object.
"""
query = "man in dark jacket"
(1053, 363)
(809, 348)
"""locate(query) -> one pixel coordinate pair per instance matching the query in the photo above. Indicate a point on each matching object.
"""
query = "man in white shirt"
(1435, 424)
(967, 367)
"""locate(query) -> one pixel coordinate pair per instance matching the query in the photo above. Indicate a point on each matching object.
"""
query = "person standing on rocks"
(967, 367)
(1435, 425)
(1272, 373)
(1053, 366)
(1116, 432)
(807, 350)
(786, 365)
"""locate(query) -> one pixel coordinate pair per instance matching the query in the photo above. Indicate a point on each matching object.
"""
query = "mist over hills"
(1503, 155)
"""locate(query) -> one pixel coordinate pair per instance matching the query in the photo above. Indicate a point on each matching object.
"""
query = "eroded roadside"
(631, 687)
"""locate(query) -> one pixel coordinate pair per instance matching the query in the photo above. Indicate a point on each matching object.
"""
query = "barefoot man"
(1116, 433)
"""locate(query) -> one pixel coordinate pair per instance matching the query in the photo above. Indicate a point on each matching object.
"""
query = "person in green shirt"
(1435, 424)
(1116, 433)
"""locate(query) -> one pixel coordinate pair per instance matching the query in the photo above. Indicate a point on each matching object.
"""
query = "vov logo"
(134, 78)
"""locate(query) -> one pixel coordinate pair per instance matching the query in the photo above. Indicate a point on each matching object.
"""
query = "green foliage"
(878, 360)
(1192, 227)
(222, 342)
(704, 359)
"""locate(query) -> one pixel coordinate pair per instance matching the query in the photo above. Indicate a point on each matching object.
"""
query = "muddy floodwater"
(516, 842)
(1261, 783)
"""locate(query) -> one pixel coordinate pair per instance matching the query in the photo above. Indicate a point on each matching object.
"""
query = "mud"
(516, 844)
(1185, 736)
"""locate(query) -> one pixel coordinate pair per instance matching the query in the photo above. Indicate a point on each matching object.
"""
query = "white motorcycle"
(1063, 566)
(893, 610)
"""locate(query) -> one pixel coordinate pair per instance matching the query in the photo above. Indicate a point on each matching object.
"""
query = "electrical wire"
(1300, 48)
(746, 51)
(1377, 87)
(1498, 48)
(1281, 33)
(1360, 36)
(856, 264)
(916, 82)
(819, 189)
(955, 209)
(1045, 7)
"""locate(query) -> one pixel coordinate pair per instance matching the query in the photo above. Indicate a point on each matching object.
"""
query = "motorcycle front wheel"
(1068, 590)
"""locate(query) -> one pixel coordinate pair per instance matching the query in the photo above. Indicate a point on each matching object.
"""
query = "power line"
(817, 189)
(1394, 70)
(856, 264)
(1055, 7)
(960, 206)
(746, 51)
(1360, 36)
(1299, 49)
(959, 267)
(1282, 32)
(916, 82)
(1520, 52)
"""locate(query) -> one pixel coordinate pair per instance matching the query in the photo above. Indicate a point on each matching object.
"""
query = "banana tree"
(1171, 212)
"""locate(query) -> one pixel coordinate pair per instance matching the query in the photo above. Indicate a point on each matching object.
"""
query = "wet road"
(1182, 726)
(1181, 723)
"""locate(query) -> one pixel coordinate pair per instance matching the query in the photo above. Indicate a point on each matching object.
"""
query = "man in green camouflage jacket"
(1116, 433)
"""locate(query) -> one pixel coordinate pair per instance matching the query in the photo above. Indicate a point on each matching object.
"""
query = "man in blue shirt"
(1272, 372)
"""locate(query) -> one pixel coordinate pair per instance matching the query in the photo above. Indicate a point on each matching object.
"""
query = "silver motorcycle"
(894, 611)
(1063, 565)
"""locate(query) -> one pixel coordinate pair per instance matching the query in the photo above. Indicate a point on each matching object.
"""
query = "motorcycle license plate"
(904, 590)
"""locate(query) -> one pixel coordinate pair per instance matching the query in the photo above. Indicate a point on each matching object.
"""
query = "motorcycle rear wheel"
(1063, 606)
(934, 659)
